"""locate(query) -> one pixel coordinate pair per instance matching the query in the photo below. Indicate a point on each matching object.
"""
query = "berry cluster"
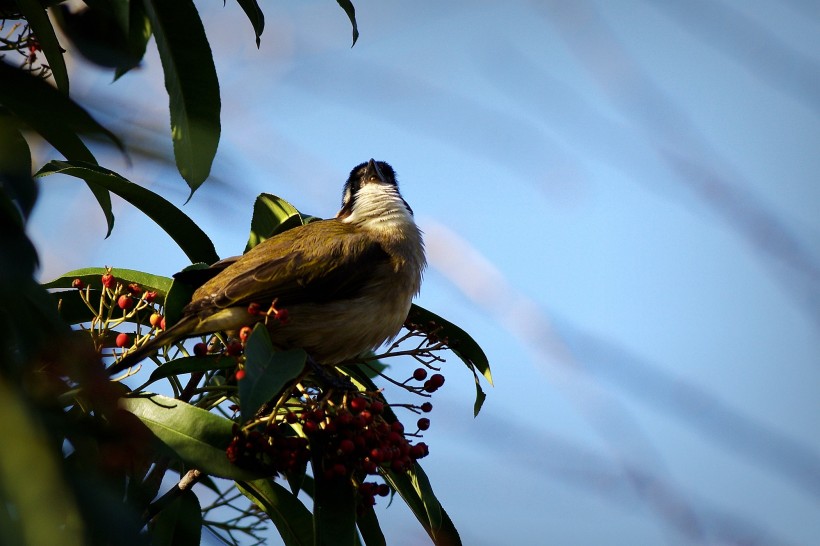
(275, 451)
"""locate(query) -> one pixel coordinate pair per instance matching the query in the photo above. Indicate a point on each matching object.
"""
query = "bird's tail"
(180, 330)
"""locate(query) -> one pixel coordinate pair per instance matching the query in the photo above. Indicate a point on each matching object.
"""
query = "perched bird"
(346, 282)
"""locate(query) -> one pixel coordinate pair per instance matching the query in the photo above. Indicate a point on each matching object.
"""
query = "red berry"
(427, 407)
(376, 407)
(155, 319)
(281, 315)
(234, 348)
(424, 423)
(162, 324)
(358, 404)
(240, 375)
(108, 280)
(244, 333)
(123, 340)
(419, 451)
(149, 296)
(254, 309)
(134, 288)
(396, 426)
(125, 302)
(78, 284)
(437, 379)
(420, 374)
(347, 446)
(200, 349)
(339, 469)
(384, 489)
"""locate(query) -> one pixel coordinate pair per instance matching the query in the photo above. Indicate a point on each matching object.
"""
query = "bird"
(346, 282)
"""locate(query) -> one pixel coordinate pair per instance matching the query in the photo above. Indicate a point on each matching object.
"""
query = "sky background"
(621, 203)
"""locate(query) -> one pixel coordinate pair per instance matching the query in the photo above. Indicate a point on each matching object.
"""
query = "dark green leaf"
(36, 16)
(192, 364)
(347, 5)
(334, 505)
(267, 371)
(291, 518)
(458, 340)
(199, 438)
(193, 89)
(255, 15)
(414, 487)
(139, 32)
(179, 296)
(190, 238)
(271, 215)
(15, 169)
(369, 527)
(179, 523)
(100, 32)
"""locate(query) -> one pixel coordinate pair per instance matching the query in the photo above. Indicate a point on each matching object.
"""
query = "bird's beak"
(372, 170)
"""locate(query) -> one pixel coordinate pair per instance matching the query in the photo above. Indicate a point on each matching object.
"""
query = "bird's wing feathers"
(289, 266)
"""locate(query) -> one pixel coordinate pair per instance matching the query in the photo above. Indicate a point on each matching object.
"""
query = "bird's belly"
(334, 332)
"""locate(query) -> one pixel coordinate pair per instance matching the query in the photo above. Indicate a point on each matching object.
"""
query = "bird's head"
(371, 197)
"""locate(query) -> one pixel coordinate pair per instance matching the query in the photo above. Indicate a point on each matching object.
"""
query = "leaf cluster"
(99, 449)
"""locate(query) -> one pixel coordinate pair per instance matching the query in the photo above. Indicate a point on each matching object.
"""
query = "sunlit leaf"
(198, 437)
(267, 371)
(291, 518)
(185, 233)
(191, 81)
(271, 215)
(92, 276)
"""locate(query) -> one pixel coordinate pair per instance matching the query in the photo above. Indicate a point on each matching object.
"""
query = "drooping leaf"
(256, 17)
(458, 340)
(347, 5)
(414, 488)
(198, 437)
(267, 371)
(185, 233)
(100, 32)
(15, 169)
(191, 82)
(139, 32)
(271, 215)
(40, 24)
(291, 518)
(179, 523)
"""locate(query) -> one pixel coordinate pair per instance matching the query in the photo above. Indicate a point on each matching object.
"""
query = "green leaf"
(267, 371)
(15, 169)
(179, 523)
(459, 342)
(291, 518)
(41, 26)
(191, 81)
(347, 5)
(414, 487)
(369, 527)
(92, 276)
(139, 32)
(185, 233)
(256, 17)
(191, 364)
(198, 437)
(271, 215)
(334, 505)
(179, 296)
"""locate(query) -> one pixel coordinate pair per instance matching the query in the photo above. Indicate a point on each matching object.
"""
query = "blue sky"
(621, 206)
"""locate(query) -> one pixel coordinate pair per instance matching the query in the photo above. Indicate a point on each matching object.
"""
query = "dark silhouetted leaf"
(179, 523)
(191, 81)
(256, 17)
(347, 5)
(185, 233)
(36, 16)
